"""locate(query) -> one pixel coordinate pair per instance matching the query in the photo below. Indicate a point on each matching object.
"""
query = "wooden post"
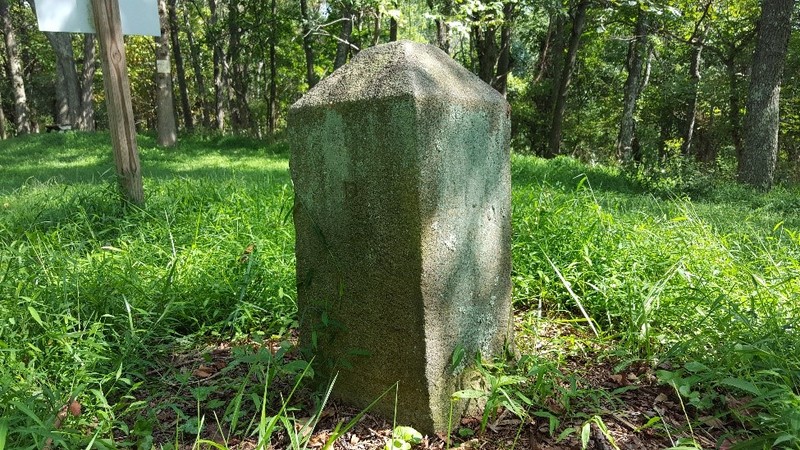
(118, 99)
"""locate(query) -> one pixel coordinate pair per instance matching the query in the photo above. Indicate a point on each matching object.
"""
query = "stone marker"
(401, 172)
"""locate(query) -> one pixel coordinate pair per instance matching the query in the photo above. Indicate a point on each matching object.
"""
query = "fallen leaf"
(75, 408)
(202, 372)
(712, 421)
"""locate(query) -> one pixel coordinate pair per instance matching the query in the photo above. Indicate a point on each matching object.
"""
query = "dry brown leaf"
(203, 372)
(75, 408)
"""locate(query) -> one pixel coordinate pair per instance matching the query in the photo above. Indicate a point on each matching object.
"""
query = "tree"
(633, 85)
(86, 114)
(697, 43)
(67, 86)
(761, 120)
(562, 86)
(177, 55)
(213, 37)
(165, 105)
(197, 68)
(308, 49)
(272, 101)
(22, 118)
(3, 135)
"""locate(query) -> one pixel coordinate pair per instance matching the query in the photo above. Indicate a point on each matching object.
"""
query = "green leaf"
(566, 433)
(3, 433)
(585, 431)
(742, 384)
(35, 315)
(695, 367)
(468, 393)
(407, 434)
(397, 444)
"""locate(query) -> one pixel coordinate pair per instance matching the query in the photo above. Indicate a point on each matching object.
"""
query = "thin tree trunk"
(67, 85)
(734, 105)
(197, 68)
(219, 75)
(343, 44)
(392, 29)
(376, 28)
(3, 134)
(86, 114)
(556, 128)
(272, 104)
(635, 63)
(442, 28)
(177, 55)
(308, 49)
(165, 104)
(22, 119)
(762, 119)
(488, 52)
(237, 70)
(694, 82)
(551, 58)
(504, 61)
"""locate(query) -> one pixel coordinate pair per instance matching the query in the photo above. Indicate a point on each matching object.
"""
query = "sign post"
(108, 26)
(109, 19)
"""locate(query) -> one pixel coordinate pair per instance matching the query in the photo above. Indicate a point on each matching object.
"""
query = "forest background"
(659, 85)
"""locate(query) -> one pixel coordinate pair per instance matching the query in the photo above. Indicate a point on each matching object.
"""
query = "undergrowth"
(101, 303)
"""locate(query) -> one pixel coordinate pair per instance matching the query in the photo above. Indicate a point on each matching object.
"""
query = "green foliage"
(96, 300)
(91, 295)
(706, 284)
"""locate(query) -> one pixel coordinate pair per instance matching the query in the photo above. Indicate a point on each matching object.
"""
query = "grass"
(124, 309)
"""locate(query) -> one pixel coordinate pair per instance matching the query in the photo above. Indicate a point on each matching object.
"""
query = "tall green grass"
(92, 294)
(95, 297)
(705, 288)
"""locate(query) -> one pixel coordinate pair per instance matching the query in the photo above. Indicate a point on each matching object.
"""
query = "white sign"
(75, 16)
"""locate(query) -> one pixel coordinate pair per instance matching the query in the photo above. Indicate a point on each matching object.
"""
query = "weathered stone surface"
(402, 212)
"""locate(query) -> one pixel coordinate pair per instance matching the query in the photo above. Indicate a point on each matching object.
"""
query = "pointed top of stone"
(400, 69)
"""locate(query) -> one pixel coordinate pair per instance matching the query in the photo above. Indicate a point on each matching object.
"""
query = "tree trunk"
(68, 99)
(86, 114)
(219, 75)
(694, 82)
(177, 55)
(197, 68)
(761, 120)
(272, 104)
(486, 47)
(556, 128)
(273, 71)
(442, 28)
(376, 28)
(343, 44)
(3, 134)
(551, 58)
(504, 61)
(308, 49)
(734, 105)
(237, 70)
(22, 119)
(637, 54)
(392, 29)
(165, 104)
